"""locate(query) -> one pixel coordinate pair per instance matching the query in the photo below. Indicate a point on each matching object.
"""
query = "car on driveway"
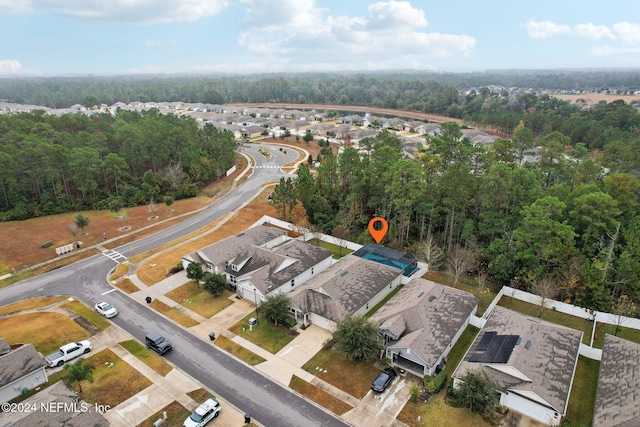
(204, 413)
(106, 309)
(157, 343)
(384, 379)
(68, 352)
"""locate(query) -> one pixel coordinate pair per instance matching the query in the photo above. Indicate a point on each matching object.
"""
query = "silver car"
(106, 309)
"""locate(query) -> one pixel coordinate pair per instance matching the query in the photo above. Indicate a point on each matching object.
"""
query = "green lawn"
(150, 359)
(264, 334)
(549, 315)
(336, 250)
(459, 350)
(583, 393)
(239, 351)
(626, 333)
(200, 301)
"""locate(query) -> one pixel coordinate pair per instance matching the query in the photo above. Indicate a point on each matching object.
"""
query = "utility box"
(253, 321)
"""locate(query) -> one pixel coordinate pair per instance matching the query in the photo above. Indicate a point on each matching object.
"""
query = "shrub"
(414, 392)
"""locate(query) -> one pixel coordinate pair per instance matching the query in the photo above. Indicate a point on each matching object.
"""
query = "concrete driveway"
(381, 409)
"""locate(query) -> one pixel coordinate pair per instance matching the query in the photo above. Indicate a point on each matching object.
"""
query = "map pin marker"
(378, 235)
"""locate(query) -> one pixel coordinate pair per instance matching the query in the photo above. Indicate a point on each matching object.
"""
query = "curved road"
(269, 403)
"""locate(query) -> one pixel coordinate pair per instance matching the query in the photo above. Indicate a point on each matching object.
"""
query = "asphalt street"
(269, 403)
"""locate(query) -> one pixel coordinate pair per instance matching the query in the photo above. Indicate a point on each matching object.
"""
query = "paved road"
(269, 403)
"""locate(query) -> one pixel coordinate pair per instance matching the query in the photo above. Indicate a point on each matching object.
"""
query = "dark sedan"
(383, 381)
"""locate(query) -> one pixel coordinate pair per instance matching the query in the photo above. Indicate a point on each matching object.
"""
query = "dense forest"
(561, 226)
(56, 164)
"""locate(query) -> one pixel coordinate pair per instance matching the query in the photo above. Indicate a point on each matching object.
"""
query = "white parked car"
(106, 309)
(204, 413)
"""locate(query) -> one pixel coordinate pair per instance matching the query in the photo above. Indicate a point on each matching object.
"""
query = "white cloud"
(389, 35)
(126, 11)
(591, 31)
(394, 14)
(10, 67)
(627, 32)
(544, 29)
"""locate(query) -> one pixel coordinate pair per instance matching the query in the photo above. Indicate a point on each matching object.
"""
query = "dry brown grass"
(47, 331)
(173, 314)
(30, 304)
(351, 377)
(20, 245)
(121, 270)
(199, 395)
(319, 396)
(112, 384)
(176, 414)
(155, 269)
(200, 301)
(88, 313)
(126, 285)
(239, 351)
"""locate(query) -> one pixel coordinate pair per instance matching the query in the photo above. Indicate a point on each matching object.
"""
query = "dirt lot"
(594, 98)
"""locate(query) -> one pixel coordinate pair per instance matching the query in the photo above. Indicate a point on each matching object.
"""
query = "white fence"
(231, 170)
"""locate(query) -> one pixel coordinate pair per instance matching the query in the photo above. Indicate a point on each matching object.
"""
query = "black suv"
(157, 343)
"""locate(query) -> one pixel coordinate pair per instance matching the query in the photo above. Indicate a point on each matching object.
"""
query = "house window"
(232, 279)
(293, 282)
(311, 270)
(390, 285)
(367, 307)
(209, 267)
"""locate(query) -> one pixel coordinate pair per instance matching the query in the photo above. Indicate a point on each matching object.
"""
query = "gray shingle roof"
(18, 363)
(343, 288)
(232, 246)
(542, 372)
(85, 414)
(618, 392)
(425, 316)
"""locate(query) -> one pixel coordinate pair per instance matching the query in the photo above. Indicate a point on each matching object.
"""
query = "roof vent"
(528, 344)
(421, 293)
(344, 273)
(432, 297)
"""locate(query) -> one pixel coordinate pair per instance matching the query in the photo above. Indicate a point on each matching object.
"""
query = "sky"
(115, 37)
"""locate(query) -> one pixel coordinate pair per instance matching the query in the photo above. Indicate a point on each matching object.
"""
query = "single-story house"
(215, 258)
(351, 286)
(618, 392)
(257, 271)
(69, 410)
(531, 361)
(422, 322)
(22, 368)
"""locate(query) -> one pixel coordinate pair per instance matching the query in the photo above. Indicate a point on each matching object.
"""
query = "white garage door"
(532, 409)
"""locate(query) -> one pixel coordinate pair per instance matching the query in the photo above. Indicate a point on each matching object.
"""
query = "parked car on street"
(68, 352)
(157, 343)
(204, 413)
(106, 309)
(384, 379)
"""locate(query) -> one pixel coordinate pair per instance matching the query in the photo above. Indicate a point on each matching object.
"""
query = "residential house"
(215, 258)
(351, 286)
(68, 410)
(618, 392)
(22, 368)
(422, 322)
(258, 271)
(531, 361)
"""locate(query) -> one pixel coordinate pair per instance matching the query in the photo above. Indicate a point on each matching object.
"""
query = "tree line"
(54, 164)
(561, 225)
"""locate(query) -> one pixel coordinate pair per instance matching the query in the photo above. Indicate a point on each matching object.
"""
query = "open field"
(47, 331)
(594, 98)
(20, 245)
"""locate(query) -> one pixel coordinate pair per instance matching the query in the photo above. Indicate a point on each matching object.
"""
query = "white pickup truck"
(68, 352)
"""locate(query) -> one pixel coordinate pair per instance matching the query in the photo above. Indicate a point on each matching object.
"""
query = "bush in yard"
(357, 338)
(215, 284)
(477, 392)
(414, 392)
(433, 385)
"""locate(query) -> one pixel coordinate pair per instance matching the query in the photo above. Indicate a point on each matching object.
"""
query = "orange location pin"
(378, 235)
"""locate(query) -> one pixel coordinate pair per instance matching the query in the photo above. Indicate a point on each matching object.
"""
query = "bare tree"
(482, 277)
(74, 231)
(460, 261)
(547, 289)
(175, 176)
(622, 309)
(341, 232)
(429, 252)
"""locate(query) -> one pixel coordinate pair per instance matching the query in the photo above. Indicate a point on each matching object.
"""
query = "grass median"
(149, 358)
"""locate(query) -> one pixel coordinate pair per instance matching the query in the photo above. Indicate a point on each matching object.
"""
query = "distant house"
(351, 286)
(257, 272)
(618, 393)
(22, 368)
(422, 322)
(532, 362)
(215, 258)
(69, 410)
